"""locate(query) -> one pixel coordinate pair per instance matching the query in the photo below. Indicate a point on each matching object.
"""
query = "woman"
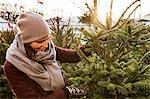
(31, 67)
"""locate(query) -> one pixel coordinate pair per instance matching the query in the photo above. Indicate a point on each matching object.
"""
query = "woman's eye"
(40, 41)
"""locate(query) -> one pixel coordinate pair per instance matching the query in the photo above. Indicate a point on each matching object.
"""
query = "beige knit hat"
(32, 27)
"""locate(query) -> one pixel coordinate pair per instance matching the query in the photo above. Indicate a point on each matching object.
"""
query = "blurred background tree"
(10, 12)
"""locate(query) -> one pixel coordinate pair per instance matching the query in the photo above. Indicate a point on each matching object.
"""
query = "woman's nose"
(45, 44)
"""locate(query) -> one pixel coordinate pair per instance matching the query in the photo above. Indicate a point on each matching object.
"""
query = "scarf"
(44, 69)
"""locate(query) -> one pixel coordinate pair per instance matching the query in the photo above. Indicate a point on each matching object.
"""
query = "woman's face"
(40, 45)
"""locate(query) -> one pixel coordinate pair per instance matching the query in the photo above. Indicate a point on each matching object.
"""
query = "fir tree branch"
(81, 54)
(125, 12)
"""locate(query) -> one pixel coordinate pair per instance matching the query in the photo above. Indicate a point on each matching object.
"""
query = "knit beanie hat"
(32, 27)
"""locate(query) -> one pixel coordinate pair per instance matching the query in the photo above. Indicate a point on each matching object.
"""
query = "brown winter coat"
(26, 88)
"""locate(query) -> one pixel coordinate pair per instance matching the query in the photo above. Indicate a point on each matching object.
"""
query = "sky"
(67, 8)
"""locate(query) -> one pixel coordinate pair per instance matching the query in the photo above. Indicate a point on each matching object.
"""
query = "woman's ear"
(50, 37)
